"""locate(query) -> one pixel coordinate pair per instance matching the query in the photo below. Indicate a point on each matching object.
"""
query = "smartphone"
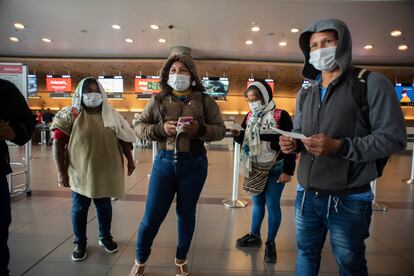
(184, 121)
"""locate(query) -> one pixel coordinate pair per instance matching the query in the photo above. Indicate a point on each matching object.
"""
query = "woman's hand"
(192, 128)
(63, 179)
(285, 178)
(169, 128)
(131, 167)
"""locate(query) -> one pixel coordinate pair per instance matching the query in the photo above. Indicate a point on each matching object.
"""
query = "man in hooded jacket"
(338, 160)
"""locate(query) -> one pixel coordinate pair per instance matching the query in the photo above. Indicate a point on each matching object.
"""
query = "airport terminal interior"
(48, 46)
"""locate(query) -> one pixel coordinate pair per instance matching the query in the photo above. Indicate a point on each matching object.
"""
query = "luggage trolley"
(20, 168)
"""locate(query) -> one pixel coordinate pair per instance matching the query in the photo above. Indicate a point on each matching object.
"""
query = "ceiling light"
(162, 40)
(19, 26)
(129, 40)
(249, 42)
(294, 30)
(396, 33)
(255, 28)
(155, 27)
(116, 27)
(403, 47)
(368, 47)
(14, 39)
(282, 43)
(47, 40)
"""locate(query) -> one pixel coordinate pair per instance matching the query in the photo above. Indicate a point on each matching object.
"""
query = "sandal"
(182, 272)
(138, 269)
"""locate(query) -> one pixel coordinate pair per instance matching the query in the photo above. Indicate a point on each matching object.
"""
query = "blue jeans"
(80, 207)
(186, 178)
(348, 224)
(5, 220)
(270, 197)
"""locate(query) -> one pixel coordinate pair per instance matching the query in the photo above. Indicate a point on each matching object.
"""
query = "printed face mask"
(256, 107)
(323, 59)
(92, 99)
(179, 82)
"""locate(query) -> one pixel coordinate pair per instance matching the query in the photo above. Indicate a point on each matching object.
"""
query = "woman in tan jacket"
(181, 118)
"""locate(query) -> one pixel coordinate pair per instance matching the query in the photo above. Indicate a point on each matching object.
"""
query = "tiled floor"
(41, 234)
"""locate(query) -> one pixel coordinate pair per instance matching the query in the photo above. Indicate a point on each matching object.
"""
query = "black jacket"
(14, 109)
(285, 124)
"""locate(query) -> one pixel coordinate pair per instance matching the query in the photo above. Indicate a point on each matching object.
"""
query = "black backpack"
(360, 94)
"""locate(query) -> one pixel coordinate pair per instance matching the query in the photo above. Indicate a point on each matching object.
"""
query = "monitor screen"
(112, 84)
(405, 94)
(31, 84)
(58, 83)
(269, 81)
(146, 86)
(216, 87)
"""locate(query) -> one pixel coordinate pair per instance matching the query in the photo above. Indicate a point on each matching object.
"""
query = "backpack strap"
(304, 92)
(277, 114)
(360, 92)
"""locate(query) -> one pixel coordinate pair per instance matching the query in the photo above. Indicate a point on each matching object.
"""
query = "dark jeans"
(80, 207)
(270, 197)
(348, 224)
(5, 220)
(184, 178)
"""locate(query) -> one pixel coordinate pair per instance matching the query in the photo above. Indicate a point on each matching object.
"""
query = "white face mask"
(93, 99)
(323, 59)
(256, 107)
(179, 82)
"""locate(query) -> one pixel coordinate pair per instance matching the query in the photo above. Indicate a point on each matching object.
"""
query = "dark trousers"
(5, 220)
(80, 207)
(184, 178)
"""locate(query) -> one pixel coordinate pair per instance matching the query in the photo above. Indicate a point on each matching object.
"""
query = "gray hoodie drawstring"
(303, 203)
(329, 207)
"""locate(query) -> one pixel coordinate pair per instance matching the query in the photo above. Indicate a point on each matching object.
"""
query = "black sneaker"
(79, 253)
(270, 253)
(109, 245)
(249, 239)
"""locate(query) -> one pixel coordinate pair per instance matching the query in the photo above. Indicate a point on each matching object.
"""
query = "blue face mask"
(256, 107)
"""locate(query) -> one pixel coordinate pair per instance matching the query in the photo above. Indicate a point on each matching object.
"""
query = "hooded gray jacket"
(339, 116)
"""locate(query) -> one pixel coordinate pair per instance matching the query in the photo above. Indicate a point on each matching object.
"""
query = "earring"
(193, 83)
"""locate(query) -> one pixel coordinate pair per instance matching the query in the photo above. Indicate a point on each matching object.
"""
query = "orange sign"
(62, 84)
(147, 84)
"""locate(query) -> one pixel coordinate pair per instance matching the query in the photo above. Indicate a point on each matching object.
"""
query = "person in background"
(339, 158)
(89, 139)
(39, 117)
(260, 145)
(17, 124)
(48, 116)
(180, 168)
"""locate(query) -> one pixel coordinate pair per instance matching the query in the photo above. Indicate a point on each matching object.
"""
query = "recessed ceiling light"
(396, 33)
(116, 27)
(162, 40)
(294, 30)
(155, 27)
(255, 28)
(129, 40)
(47, 40)
(282, 43)
(368, 47)
(14, 39)
(249, 42)
(19, 26)
(403, 47)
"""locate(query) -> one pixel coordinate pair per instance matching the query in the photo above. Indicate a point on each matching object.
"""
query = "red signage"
(11, 69)
(148, 84)
(58, 84)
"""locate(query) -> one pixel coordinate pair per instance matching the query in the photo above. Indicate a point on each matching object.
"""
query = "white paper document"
(236, 127)
(290, 134)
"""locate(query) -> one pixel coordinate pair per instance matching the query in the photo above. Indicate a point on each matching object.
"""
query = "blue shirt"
(365, 196)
